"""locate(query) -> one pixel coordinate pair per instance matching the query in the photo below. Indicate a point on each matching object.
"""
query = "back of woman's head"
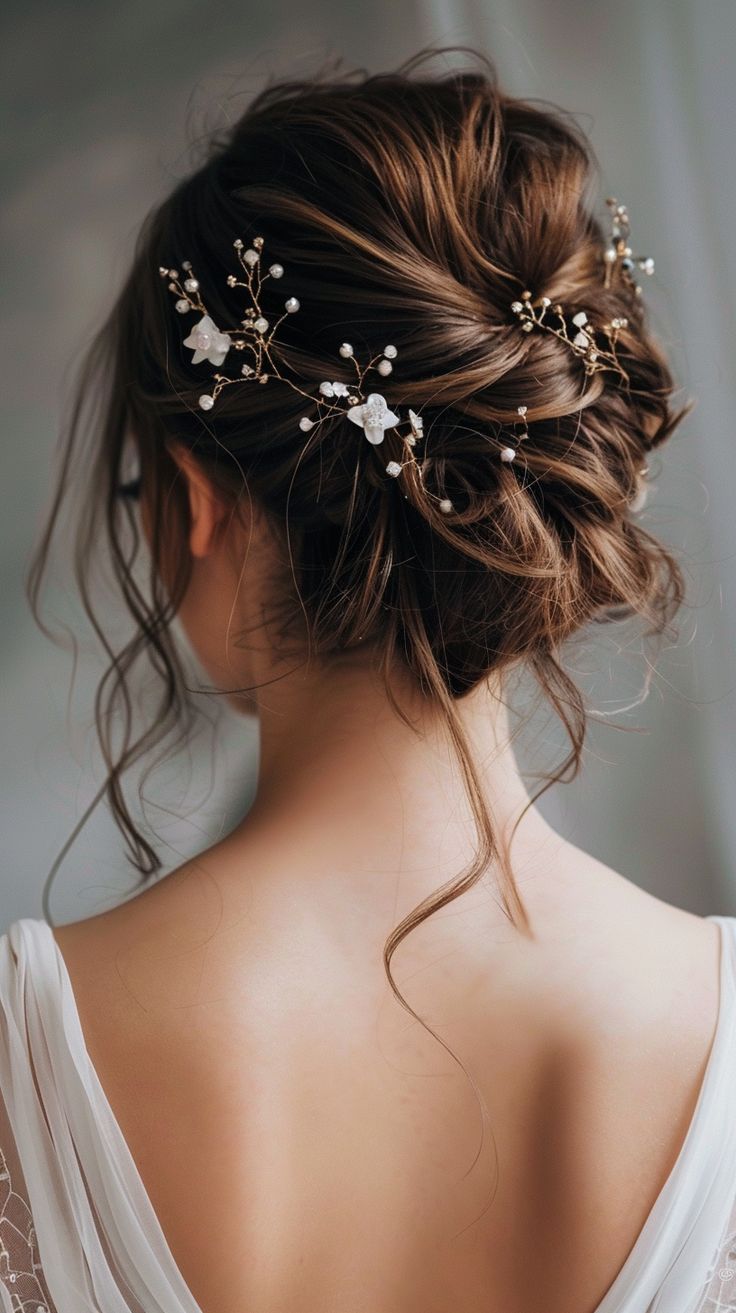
(410, 208)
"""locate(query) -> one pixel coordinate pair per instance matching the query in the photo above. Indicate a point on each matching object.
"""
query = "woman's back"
(305, 1144)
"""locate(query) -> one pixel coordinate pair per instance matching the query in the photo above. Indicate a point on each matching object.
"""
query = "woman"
(224, 1093)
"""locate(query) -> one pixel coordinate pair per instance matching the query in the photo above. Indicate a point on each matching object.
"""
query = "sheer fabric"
(78, 1233)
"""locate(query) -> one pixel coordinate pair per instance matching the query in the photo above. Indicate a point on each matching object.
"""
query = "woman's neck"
(355, 805)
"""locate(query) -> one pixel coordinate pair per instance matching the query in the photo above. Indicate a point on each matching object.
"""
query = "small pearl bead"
(446, 505)
(390, 351)
(191, 285)
(261, 324)
(393, 468)
(346, 350)
(291, 305)
(276, 270)
(186, 264)
(508, 454)
(206, 402)
(384, 367)
(182, 307)
(238, 244)
(305, 423)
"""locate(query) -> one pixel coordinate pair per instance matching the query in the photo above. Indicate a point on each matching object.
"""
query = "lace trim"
(20, 1264)
(719, 1295)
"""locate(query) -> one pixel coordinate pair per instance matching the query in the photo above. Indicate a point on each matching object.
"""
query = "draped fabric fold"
(99, 1242)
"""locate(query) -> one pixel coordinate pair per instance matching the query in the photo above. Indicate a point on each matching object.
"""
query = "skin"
(305, 1143)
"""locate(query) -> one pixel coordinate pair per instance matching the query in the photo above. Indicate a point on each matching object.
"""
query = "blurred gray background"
(101, 100)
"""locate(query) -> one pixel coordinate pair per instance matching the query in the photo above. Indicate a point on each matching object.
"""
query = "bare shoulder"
(626, 951)
(632, 984)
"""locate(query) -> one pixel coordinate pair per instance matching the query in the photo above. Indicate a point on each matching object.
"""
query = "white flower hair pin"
(255, 335)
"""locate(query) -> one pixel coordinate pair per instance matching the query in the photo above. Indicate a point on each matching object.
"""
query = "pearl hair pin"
(617, 255)
(369, 412)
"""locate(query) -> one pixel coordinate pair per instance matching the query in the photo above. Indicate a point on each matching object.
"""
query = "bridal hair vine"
(617, 255)
(370, 411)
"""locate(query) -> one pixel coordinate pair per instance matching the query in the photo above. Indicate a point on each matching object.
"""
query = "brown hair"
(408, 207)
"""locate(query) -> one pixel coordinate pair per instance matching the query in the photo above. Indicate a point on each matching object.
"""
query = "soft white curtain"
(98, 102)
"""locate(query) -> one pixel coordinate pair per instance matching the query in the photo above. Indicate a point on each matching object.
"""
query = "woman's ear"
(205, 507)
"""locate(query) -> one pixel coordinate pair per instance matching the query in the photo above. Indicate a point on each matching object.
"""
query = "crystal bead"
(393, 468)
(261, 324)
(508, 454)
(251, 256)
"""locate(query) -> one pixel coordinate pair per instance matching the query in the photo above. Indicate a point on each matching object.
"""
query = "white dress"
(78, 1233)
